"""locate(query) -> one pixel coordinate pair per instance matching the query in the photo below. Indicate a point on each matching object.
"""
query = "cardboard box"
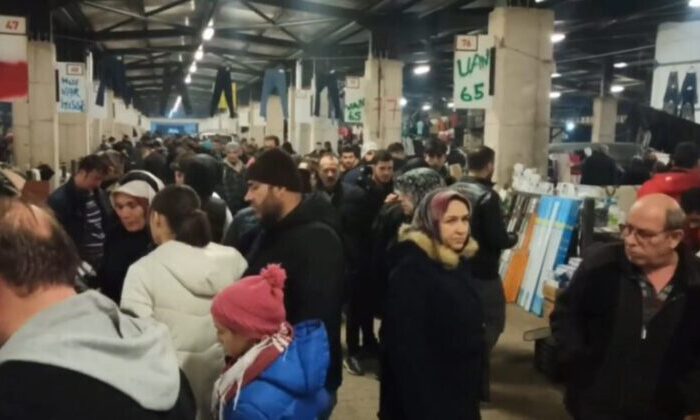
(547, 308)
(550, 291)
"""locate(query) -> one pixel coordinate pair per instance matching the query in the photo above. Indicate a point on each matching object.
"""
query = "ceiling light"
(193, 67)
(450, 105)
(540, 1)
(188, 79)
(555, 75)
(211, 23)
(616, 88)
(554, 95)
(570, 126)
(193, 5)
(427, 107)
(208, 33)
(403, 102)
(422, 69)
(620, 65)
(175, 106)
(694, 3)
(199, 54)
(187, 21)
(557, 37)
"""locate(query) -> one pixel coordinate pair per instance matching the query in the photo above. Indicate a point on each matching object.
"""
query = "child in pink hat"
(276, 371)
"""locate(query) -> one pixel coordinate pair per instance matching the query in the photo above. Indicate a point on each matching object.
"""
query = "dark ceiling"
(156, 36)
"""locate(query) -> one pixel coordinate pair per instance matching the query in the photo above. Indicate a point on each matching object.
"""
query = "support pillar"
(517, 126)
(35, 122)
(383, 83)
(604, 119)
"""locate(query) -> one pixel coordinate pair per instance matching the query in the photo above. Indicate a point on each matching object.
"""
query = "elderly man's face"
(234, 156)
(648, 243)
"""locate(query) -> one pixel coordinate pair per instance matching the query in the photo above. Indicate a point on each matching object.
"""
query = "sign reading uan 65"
(474, 61)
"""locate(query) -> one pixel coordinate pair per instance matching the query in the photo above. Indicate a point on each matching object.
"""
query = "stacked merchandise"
(514, 261)
(549, 245)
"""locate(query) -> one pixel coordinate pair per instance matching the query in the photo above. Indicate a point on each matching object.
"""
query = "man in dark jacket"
(301, 234)
(349, 201)
(83, 209)
(435, 157)
(154, 161)
(53, 340)
(599, 169)
(627, 324)
(233, 187)
(489, 230)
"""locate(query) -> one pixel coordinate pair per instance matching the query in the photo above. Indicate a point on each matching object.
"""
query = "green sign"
(472, 71)
(354, 111)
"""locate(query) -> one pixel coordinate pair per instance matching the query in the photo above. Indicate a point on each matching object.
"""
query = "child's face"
(235, 345)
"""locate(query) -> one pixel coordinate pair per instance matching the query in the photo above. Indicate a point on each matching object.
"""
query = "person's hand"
(391, 198)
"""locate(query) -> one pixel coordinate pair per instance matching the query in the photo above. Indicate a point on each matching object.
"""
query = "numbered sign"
(473, 64)
(14, 71)
(72, 93)
(354, 100)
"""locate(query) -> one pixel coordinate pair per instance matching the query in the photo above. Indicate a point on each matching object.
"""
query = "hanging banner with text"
(14, 72)
(354, 100)
(473, 71)
(72, 93)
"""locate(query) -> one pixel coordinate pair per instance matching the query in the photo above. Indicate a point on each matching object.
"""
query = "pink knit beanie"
(253, 306)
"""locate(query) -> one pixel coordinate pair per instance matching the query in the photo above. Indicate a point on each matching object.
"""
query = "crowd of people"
(182, 279)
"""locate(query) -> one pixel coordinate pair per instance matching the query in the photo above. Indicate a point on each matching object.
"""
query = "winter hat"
(418, 182)
(275, 167)
(369, 146)
(253, 306)
(139, 184)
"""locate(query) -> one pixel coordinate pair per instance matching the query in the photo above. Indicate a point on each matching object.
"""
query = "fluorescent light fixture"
(187, 21)
(208, 33)
(558, 37)
(694, 3)
(199, 54)
(193, 5)
(570, 126)
(403, 102)
(556, 75)
(188, 79)
(422, 69)
(540, 1)
(616, 88)
(450, 104)
(175, 107)
(620, 65)
(193, 67)
(427, 107)
(554, 95)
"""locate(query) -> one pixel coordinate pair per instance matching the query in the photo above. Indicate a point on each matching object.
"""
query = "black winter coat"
(122, 249)
(432, 338)
(385, 234)
(244, 228)
(68, 204)
(307, 243)
(616, 369)
(38, 391)
(487, 226)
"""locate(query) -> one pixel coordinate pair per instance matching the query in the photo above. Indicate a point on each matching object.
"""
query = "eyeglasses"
(641, 235)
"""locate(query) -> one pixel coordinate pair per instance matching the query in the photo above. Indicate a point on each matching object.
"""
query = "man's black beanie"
(275, 167)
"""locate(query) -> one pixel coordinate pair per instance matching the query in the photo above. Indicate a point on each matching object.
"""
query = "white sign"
(472, 71)
(13, 25)
(354, 100)
(71, 87)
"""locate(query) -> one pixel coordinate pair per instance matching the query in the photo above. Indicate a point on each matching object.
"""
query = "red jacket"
(673, 183)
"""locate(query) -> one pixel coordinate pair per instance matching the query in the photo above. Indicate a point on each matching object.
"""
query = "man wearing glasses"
(629, 322)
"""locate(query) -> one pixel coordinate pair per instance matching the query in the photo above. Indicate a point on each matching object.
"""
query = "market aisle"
(519, 392)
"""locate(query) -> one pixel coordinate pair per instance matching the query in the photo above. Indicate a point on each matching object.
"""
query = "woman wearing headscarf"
(130, 239)
(410, 189)
(433, 329)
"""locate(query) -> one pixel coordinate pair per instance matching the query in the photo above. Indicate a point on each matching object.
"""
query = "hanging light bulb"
(208, 33)
(199, 54)
(193, 67)
(188, 79)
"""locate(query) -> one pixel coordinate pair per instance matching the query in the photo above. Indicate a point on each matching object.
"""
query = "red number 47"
(12, 25)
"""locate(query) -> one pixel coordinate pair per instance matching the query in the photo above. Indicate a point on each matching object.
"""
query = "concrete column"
(383, 83)
(36, 121)
(604, 119)
(517, 127)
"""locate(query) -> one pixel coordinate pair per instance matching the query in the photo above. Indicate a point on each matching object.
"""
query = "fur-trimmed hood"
(435, 250)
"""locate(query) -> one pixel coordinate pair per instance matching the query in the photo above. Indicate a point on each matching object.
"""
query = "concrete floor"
(518, 391)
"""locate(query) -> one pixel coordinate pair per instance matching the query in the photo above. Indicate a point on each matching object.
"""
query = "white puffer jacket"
(175, 284)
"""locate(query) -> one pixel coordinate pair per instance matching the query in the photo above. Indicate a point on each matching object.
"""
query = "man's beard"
(270, 212)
